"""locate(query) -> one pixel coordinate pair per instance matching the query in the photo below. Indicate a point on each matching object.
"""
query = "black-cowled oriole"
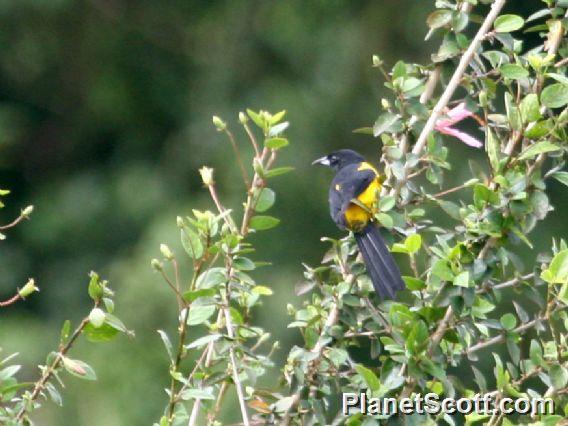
(353, 198)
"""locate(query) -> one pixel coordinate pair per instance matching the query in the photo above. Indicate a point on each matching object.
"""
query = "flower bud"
(219, 124)
(166, 252)
(243, 118)
(156, 265)
(97, 317)
(27, 211)
(179, 222)
(377, 61)
(28, 289)
(385, 103)
(206, 175)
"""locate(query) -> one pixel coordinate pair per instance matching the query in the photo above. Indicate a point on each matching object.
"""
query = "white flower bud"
(206, 175)
(219, 124)
(27, 211)
(166, 252)
(97, 317)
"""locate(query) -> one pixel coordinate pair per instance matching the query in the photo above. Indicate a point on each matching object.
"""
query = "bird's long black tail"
(380, 264)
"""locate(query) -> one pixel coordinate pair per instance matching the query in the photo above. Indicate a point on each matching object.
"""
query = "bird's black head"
(339, 159)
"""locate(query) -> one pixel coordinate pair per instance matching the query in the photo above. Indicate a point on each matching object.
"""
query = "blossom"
(455, 115)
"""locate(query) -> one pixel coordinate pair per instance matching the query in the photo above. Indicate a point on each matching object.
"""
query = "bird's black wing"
(348, 183)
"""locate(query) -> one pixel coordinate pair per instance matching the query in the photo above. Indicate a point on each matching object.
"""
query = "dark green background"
(105, 117)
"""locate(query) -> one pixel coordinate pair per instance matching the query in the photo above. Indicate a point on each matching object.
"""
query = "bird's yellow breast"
(356, 216)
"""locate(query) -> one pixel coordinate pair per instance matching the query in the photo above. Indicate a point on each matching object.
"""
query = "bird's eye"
(333, 159)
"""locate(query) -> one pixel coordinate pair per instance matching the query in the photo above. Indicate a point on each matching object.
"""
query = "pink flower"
(455, 115)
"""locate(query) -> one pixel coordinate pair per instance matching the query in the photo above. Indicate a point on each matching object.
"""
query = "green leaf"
(513, 71)
(508, 23)
(278, 171)
(256, 118)
(262, 290)
(439, 18)
(54, 394)
(65, 332)
(243, 264)
(9, 371)
(413, 243)
(262, 223)
(493, 150)
(191, 243)
(557, 271)
(452, 209)
(202, 341)
(555, 95)
(535, 353)
(386, 122)
(188, 394)
(95, 289)
(385, 220)
(561, 177)
(190, 296)
(530, 108)
(462, 279)
(508, 321)
(211, 278)
(200, 314)
(482, 195)
(369, 376)
(538, 148)
(441, 270)
(265, 200)
(558, 376)
(563, 293)
(276, 143)
(104, 333)
(413, 283)
(386, 203)
(79, 368)
(167, 343)
(539, 129)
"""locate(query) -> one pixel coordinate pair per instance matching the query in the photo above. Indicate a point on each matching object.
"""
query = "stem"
(11, 300)
(20, 218)
(220, 207)
(237, 156)
(50, 371)
(234, 368)
(257, 183)
(208, 353)
(331, 320)
(180, 348)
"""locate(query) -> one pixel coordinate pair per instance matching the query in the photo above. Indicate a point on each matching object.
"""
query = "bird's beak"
(324, 161)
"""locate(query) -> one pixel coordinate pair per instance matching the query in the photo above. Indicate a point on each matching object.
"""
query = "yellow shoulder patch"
(366, 166)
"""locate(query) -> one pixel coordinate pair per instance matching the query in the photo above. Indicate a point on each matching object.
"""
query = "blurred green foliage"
(105, 111)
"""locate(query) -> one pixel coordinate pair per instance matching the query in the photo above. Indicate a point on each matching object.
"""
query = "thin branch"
(238, 156)
(502, 337)
(11, 300)
(331, 320)
(234, 367)
(458, 74)
(220, 208)
(511, 283)
(208, 354)
(25, 214)
(49, 372)
(257, 183)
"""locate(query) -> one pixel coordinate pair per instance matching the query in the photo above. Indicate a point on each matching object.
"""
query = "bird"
(353, 196)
